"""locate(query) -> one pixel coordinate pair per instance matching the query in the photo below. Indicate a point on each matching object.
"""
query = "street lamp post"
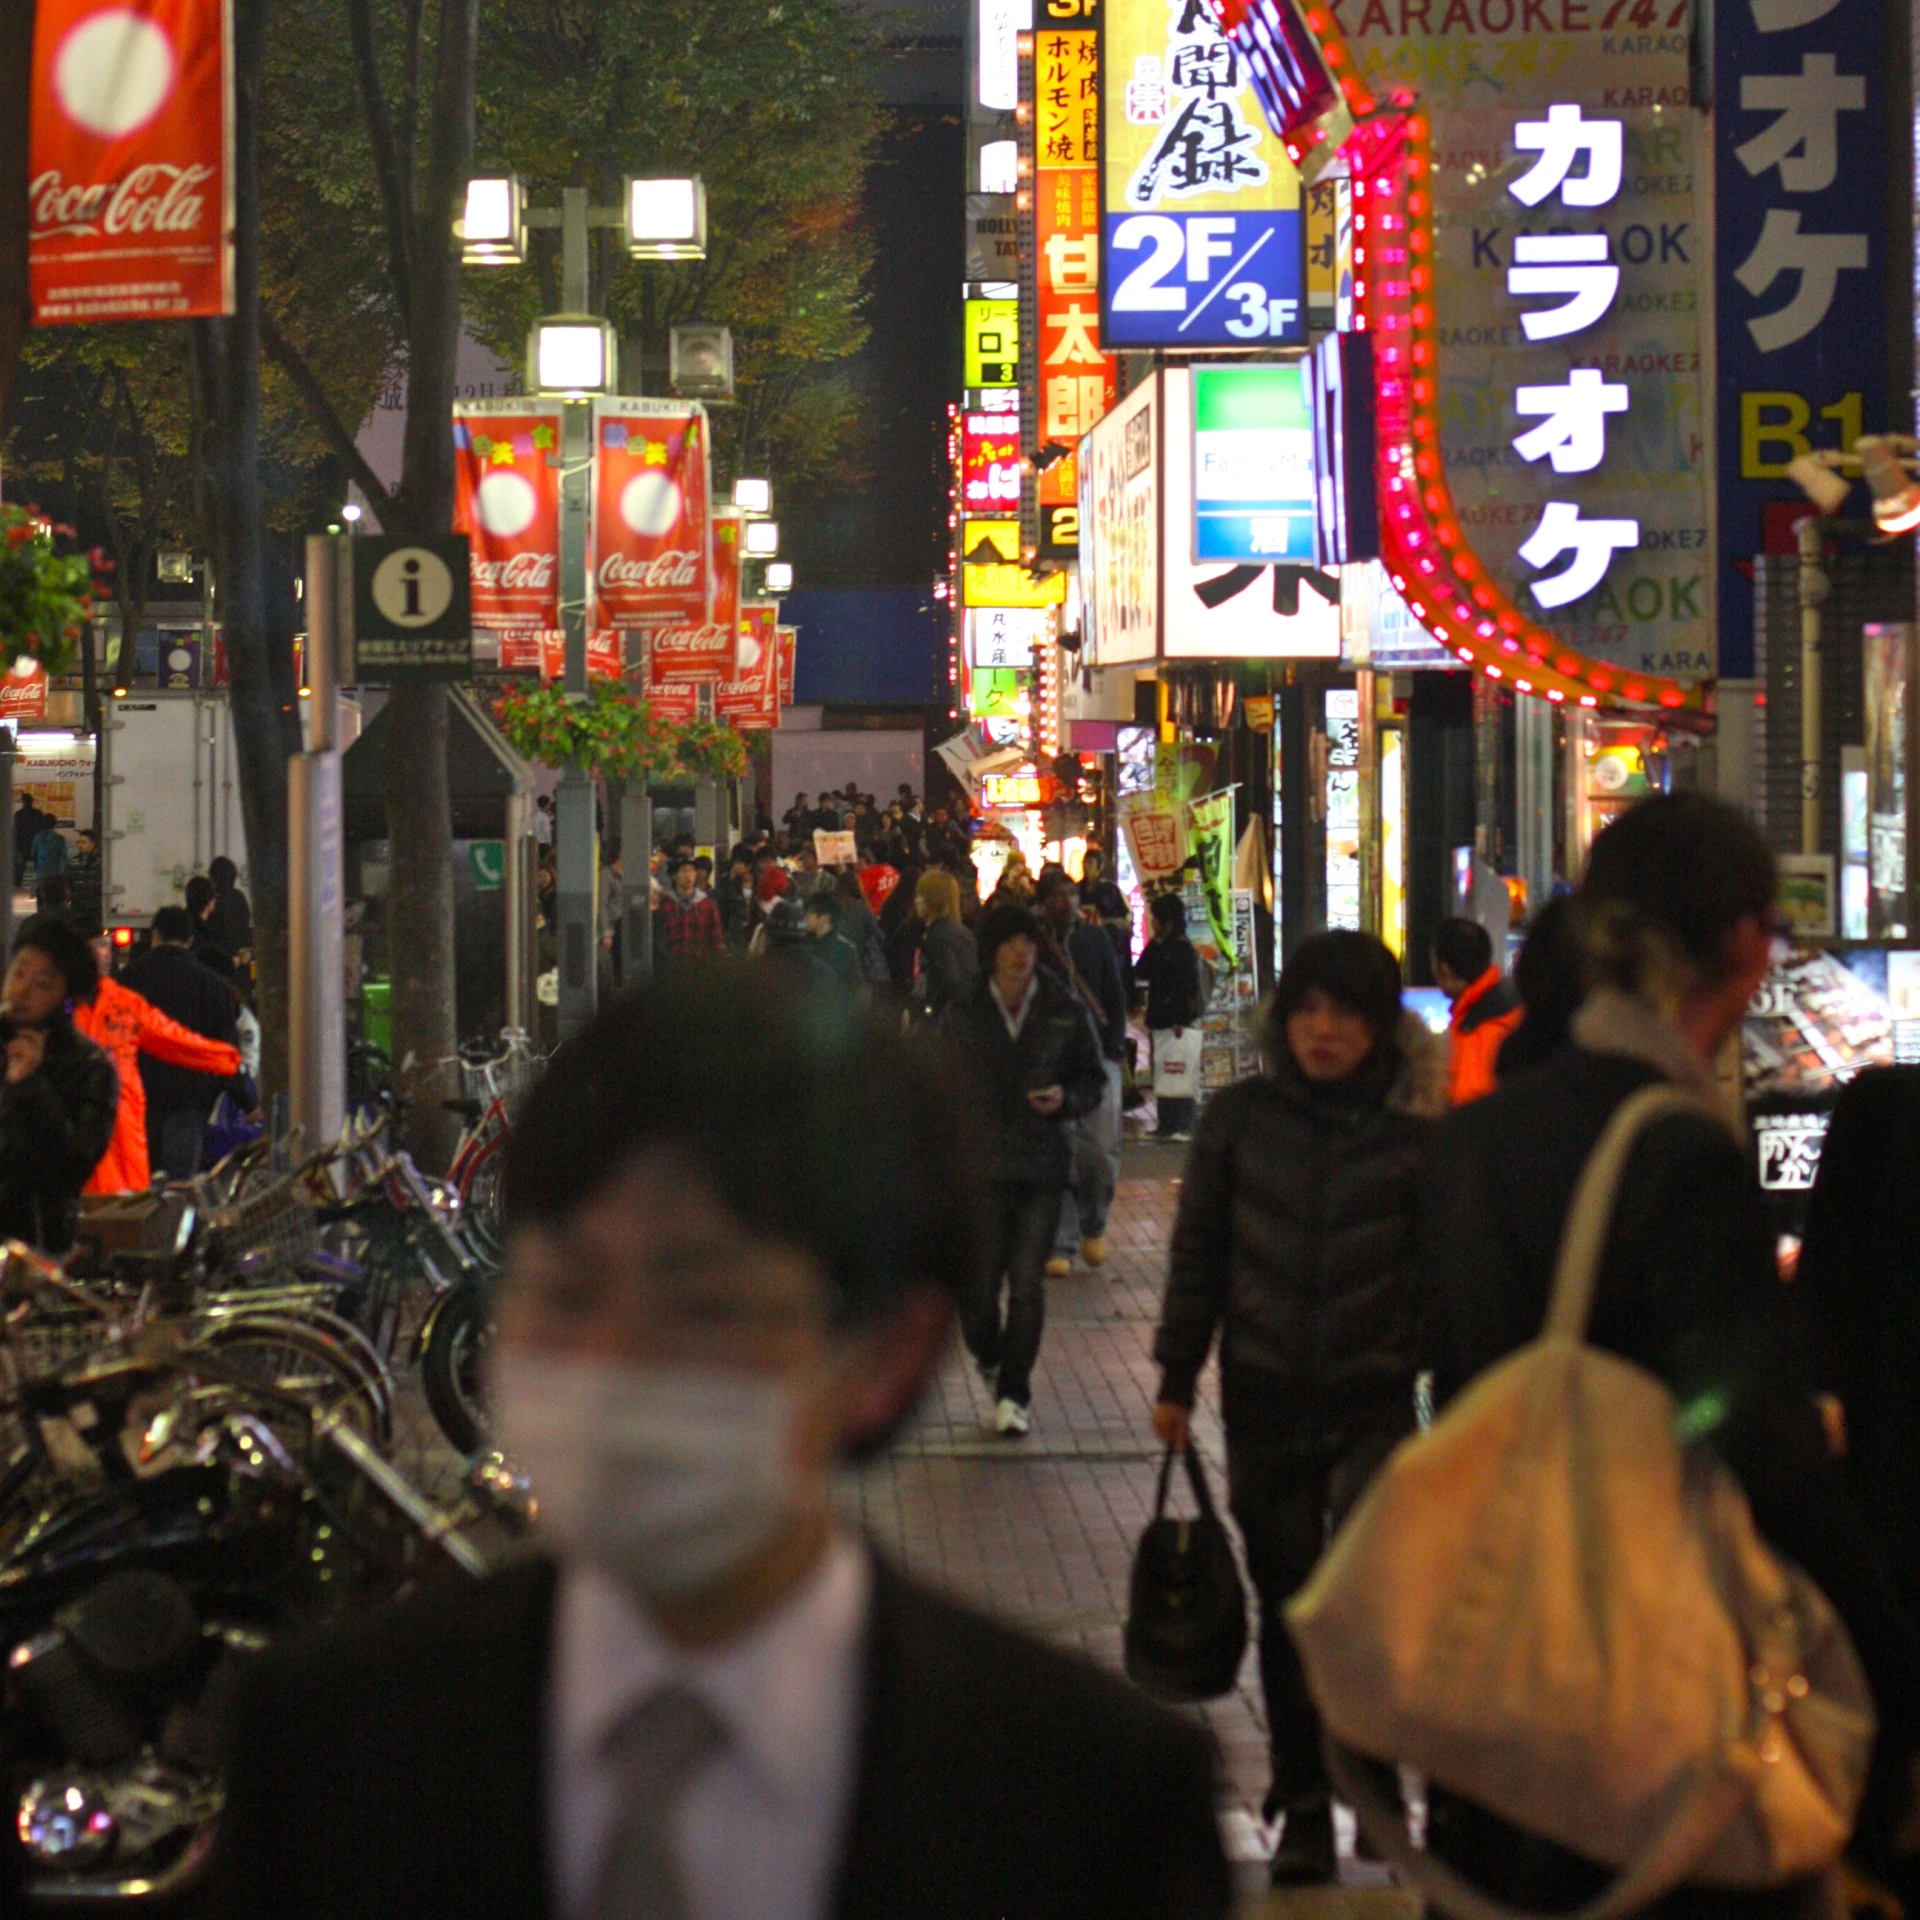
(573, 353)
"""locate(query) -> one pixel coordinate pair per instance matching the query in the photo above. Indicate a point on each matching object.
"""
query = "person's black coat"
(1295, 1239)
(1056, 1048)
(187, 990)
(230, 921)
(1859, 1280)
(1169, 969)
(949, 965)
(54, 1126)
(394, 1770)
(1092, 957)
(1688, 1289)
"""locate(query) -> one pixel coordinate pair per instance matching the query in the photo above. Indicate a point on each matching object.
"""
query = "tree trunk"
(16, 65)
(419, 802)
(261, 691)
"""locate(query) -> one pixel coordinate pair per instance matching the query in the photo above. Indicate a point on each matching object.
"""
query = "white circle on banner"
(113, 73)
(650, 504)
(506, 503)
(412, 587)
(179, 659)
(747, 649)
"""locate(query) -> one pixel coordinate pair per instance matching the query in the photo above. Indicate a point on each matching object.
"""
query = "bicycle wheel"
(316, 1359)
(480, 1187)
(453, 1346)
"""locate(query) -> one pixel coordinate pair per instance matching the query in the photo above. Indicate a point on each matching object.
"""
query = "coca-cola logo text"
(692, 640)
(529, 570)
(676, 568)
(155, 198)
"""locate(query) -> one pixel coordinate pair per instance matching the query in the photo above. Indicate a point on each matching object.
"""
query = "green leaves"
(615, 733)
(45, 595)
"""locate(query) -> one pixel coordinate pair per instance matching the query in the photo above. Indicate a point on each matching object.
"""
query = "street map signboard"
(1201, 210)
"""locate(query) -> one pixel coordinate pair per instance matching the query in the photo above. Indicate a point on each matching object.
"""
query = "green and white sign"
(488, 861)
(1253, 497)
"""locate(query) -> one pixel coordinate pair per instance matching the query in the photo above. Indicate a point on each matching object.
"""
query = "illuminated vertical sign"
(1074, 381)
(1201, 215)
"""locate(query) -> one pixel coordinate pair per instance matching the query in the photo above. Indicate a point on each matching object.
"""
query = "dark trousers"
(1176, 1116)
(175, 1138)
(1016, 1240)
(1287, 1494)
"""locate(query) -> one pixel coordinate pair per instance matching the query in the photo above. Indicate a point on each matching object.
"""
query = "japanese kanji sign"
(991, 572)
(1569, 275)
(1066, 104)
(1077, 380)
(130, 166)
(649, 523)
(1803, 265)
(1200, 206)
(990, 455)
(993, 343)
(506, 500)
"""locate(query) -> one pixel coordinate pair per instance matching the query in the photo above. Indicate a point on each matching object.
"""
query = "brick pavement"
(1041, 1530)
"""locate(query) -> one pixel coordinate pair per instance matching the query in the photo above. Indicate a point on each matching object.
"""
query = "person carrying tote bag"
(1624, 1404)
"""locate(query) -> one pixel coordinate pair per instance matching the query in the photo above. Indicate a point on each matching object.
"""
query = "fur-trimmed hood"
(1419, 1084)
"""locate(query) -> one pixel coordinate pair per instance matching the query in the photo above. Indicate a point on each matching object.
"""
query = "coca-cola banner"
(678, 704)
(603, 655)
(650, 514)
(506, 500)
(789, 641)
(130, 181)
(751, 699)
(709, 651)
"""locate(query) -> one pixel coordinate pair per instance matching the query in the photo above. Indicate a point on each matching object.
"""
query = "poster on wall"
(1201, 210)
(130, 164)
(1571, 276)
(649, 521)
(1120, 532)
(1805, 267)
(506, 500)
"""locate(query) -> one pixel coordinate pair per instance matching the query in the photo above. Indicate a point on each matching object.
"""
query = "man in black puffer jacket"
(1295, 1239)
(1036, 1067)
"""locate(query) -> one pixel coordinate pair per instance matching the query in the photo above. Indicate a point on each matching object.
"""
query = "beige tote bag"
(1550, 1606)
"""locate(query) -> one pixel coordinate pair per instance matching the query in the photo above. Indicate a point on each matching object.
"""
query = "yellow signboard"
(993, 343)
(1066, 99)
(991, 573)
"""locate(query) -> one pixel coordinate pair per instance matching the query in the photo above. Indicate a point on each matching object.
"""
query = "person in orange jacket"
(1486, 1006)
(124, 1026)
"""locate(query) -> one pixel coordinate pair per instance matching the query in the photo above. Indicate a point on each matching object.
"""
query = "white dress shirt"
(761, 1828)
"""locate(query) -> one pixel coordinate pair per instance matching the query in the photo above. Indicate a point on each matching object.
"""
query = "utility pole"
(577, 895)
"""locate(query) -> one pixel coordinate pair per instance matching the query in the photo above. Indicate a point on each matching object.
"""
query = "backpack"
(1551, 1606)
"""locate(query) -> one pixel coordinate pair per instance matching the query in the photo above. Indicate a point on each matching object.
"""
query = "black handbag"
(1186, 1611)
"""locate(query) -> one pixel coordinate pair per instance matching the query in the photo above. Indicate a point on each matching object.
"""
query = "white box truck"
(170, 800)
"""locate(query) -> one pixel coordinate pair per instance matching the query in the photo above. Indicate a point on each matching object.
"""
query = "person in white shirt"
(735, 1229)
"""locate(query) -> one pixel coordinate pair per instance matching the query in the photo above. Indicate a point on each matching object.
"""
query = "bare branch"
(313, 397)
(388, 161)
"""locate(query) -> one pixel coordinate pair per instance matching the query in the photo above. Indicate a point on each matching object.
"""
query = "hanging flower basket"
(616, 734)
(46, 597)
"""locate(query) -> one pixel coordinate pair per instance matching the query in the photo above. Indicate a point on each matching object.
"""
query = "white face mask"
(667, 1478)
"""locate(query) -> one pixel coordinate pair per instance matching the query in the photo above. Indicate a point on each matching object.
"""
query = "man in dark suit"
(187, 990)
(734, 1233)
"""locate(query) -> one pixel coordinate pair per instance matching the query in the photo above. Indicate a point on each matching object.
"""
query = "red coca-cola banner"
(23, 696)
(506, 500)
(650, 514)
(751, 699)
(709, 651)
(130, 175)
(603, 655)
(679, 703)
(789, 641)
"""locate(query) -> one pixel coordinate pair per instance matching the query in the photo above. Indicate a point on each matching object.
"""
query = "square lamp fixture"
(760, 539)
(666, 218)
(493, 230)
(779, 576)
(572, 354)
(700, 361)
(753, 496)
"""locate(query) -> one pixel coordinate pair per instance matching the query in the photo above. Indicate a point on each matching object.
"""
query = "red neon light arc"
(1446, 585)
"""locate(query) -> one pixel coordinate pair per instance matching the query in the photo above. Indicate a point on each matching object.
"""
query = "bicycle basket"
(276, 1223)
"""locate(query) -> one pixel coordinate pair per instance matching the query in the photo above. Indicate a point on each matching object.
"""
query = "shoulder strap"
(1583, 1240)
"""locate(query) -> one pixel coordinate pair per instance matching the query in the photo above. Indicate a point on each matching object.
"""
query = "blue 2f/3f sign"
(1204, 280)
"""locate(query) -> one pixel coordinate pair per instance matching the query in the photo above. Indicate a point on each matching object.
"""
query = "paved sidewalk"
(1042, 1530)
